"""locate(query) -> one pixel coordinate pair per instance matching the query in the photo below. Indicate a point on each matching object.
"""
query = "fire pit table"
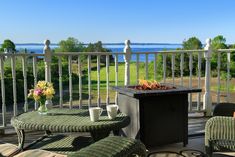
(158, 117)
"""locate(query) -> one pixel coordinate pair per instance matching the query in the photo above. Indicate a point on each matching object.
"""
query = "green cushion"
(113, 146)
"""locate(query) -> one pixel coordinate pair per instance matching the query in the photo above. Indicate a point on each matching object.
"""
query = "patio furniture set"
(219, 134)
(71, 121)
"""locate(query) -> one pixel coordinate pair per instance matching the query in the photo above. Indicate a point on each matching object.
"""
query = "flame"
(151, 85)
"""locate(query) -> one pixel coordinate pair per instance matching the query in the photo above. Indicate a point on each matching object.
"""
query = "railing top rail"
(112, 53)
(122, 53)
(21, 54)
(86, 53)
(225, 50)
(170, 51)
(181, 51)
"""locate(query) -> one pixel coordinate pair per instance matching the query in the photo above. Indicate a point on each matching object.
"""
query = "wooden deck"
(196, 125)
(196, 136)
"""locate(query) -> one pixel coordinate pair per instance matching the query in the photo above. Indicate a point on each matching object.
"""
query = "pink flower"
(37, 92)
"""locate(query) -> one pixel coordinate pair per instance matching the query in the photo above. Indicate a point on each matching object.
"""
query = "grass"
(103, 75)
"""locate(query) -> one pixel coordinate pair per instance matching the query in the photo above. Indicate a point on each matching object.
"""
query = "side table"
(67, 120)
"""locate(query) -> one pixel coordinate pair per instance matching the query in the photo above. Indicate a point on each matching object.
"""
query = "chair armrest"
(219, 128)
(112, 146)
(224, 109)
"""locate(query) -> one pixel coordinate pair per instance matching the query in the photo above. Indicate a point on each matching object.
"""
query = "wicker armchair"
(220, 130)
(224, 109)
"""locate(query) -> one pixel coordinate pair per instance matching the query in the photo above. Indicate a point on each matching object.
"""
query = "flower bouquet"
(42, 91)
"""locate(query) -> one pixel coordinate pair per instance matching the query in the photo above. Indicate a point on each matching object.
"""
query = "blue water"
(38, 48)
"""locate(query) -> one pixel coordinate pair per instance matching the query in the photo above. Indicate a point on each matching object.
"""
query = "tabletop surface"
(143, 93)
(68, 120)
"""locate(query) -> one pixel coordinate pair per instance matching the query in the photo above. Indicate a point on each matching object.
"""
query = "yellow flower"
(36, 97)
(49, 92)
(42, 84)
(30, 95)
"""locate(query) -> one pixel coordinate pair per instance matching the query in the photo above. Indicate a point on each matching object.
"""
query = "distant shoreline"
(54, 44)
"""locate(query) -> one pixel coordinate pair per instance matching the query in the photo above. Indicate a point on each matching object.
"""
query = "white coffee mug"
(112, 111)
(95, 113)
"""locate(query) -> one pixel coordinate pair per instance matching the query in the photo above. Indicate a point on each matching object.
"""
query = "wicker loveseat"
(220, 130)
(112, 146)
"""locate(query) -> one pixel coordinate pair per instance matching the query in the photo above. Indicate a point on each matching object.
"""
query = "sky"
(157, 21)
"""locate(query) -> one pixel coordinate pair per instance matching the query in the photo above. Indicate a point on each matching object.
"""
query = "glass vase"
(42, 108)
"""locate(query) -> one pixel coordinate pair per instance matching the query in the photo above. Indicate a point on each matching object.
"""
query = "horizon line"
(111, 43)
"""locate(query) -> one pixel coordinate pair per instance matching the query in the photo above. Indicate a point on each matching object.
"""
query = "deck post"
(127, 58)
(47, 60)
(207, 104)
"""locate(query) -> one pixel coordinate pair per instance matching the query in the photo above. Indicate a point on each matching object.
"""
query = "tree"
(218, 42)
(70, 45)
(8, 44)
(98, 47)
(192, 43)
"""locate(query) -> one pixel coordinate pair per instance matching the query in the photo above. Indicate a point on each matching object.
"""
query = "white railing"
(127, 54)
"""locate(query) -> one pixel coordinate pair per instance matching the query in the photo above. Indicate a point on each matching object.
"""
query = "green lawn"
(121, 71)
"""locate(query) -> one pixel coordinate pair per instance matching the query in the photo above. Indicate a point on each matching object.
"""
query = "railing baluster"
(146, 66)
(35, 76)
(182, 69)
(228, 76)
(116, 77)
(190, 78)
(24, 68)
(107, 79)
(155, 66)
(89, 79)
(80, 81)
(218, 76)
(173, 68)
(199, 80)
(13, 68)
(137, 68)
(164, 67)
(98, 80)
(70, 82)
(3, 92)
(60, 82)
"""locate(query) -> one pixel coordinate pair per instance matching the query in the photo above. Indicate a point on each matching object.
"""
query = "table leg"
(116, 132)
(21, 138)
(48, 132)
(98, 135)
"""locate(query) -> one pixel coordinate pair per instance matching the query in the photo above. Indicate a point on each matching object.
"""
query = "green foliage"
(8, 44)
(73, 45)
(97, 47)
(70, 45)
(192, 43)
(218, 42)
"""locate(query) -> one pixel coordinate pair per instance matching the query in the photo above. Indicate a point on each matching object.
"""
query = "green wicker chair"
(112, 146)
(224, 109)
(220, 135)
(220, 132)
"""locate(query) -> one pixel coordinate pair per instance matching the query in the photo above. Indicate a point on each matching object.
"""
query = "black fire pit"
(158, 117)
